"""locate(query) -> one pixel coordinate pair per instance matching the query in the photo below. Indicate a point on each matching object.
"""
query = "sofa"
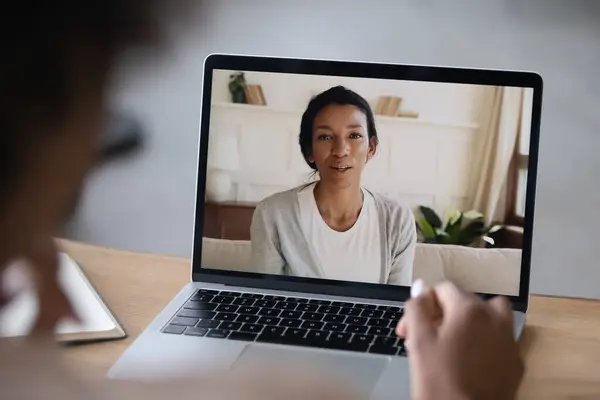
(475, 269)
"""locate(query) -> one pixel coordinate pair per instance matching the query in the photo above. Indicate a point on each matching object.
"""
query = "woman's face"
(341, 144)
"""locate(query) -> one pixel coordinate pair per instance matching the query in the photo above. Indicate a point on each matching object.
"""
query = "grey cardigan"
(279, 245)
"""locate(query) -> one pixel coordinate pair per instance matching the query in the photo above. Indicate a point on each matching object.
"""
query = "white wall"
(423, 161)
(146, 203)
(443, 103)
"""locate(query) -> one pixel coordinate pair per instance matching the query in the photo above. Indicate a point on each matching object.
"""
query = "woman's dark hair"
(336, 95)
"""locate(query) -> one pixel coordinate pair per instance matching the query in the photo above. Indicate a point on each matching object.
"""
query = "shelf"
(253, 107)
(379, 118)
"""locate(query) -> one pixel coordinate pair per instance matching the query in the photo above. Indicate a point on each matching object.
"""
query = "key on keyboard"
(329, 309)
(200, 305)
(271, 297)
(206, 291)
(290, 314)
(241, 301)
(342, 304)
(184, 321)
(248, 310)
(230, 326)
(269, 320)
(357, 329)
(225, 316)
(223, 299)
(285, 305)
(252, 328)
(217, 333)
(350, 311)
(208, 323)
(245, 336)
(269, 312)
(334, 318)
(186, 312)
(247, 318)
(290, 323)
(319, 302)
(227, 308)
(312, 316)
(312, 325)
(195, 331)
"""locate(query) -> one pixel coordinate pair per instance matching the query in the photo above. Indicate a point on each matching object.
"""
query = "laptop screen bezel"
(360, 70)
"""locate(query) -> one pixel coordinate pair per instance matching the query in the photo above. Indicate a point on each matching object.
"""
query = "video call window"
(369, 180)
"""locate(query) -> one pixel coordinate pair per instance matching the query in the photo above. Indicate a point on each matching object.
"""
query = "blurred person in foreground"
(54, 79)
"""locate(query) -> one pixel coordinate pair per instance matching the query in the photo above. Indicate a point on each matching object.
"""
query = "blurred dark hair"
(54, 50)
(336, 95)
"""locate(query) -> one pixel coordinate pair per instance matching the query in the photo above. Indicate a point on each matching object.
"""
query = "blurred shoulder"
(284, 201)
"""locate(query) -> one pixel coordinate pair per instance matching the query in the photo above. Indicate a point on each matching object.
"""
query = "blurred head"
(54, 80)
(338, 136)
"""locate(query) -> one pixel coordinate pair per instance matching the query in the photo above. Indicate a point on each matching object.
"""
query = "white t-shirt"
(353, 255)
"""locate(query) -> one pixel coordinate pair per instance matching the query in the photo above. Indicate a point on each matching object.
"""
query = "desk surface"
(561, 342)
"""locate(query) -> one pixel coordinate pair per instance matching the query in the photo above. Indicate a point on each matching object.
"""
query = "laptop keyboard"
(366, 328)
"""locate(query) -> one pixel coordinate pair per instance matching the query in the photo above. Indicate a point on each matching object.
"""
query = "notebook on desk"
(97, 321)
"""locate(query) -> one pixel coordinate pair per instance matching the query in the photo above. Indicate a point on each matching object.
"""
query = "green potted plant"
(236, 85)
(460, 228)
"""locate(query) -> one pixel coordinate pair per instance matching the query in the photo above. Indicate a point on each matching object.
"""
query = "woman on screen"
(334, 228)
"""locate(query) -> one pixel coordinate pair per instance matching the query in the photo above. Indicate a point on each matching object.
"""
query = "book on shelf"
(248, 94)
(381, 104)
(393, 106)
(388, 105)
(255, 95)
(263, 100)
(408, 114)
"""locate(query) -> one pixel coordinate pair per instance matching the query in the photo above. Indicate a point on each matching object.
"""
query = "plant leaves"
(430, 227)
(431, 217)
(426, 228)
(441, 232)
(473, 215)
(471, 231)
(417, 226)
(453, 217)
(494, 228)
(489, 240)
(454, 230)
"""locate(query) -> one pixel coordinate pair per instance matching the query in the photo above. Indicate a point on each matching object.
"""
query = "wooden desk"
(561, 342)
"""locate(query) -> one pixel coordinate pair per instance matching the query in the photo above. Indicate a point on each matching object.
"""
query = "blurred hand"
(53, 303)
(460, 347)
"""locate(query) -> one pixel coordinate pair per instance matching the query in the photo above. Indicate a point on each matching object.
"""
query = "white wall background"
(442, 103)
(423, 161)
(146, 203)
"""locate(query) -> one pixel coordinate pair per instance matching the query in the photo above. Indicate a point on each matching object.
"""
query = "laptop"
(445, 160)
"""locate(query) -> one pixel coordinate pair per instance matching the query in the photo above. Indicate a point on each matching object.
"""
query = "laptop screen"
(368, 180)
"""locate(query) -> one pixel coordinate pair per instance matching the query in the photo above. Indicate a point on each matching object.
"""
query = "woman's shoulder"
(284, 200)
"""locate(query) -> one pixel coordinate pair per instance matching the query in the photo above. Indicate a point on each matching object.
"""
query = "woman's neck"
(339, 206)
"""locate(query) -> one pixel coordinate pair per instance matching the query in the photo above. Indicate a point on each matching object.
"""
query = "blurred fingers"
(502, 307)
(401, 328)
(53, 303)
(450, 297)
(420, 315)
(427, 307)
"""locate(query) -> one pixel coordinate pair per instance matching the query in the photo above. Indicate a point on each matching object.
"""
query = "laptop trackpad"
(360, 370)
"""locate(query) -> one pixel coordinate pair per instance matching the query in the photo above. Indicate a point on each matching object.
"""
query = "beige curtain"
(493, 150)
